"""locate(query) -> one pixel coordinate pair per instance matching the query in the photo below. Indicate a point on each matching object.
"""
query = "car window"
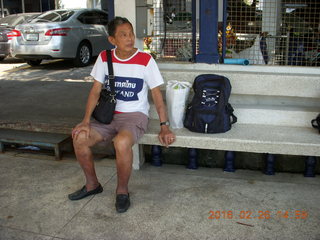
(86, 18)
(12, 20)
(103, 18)
(29, 18)
(54, 16)
(94, 18)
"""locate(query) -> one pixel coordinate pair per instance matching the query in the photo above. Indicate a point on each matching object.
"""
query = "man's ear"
(111, 40)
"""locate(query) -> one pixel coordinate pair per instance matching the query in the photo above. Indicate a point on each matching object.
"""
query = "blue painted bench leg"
(156, 155)
(270, 160)
(193, 158)
(229, 158)
(310, 165)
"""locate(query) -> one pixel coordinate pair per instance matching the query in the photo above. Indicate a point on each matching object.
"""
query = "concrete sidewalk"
(49, 98)
(170, 202)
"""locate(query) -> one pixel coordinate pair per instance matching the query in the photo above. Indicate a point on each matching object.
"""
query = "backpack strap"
(230, 110)
(316, 123)
(313, 122)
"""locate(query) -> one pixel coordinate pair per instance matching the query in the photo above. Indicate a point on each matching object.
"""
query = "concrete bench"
(41, 139)
(274, 106)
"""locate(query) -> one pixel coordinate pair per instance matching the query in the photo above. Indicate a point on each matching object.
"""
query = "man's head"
(117, 21)
(121, 34)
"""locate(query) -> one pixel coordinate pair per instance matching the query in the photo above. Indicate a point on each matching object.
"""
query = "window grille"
(172, 33)
(266, 32)
(274, 32)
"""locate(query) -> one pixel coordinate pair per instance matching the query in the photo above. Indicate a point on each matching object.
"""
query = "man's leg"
(123, 143)
(85, 158)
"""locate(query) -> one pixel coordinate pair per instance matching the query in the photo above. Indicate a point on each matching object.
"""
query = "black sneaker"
(82, 193)
(122, 202)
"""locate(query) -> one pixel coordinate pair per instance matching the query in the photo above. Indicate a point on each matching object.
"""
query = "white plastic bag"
(253, 54)
(176, 96)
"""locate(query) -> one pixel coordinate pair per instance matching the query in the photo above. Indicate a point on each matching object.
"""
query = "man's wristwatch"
(165, 123)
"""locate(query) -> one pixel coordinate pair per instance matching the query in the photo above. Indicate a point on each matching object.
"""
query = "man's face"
(124, 38)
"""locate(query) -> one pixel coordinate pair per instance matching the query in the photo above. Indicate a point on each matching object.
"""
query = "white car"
(75, 34)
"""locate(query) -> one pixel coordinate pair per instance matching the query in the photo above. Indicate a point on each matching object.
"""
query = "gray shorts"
(134, 122)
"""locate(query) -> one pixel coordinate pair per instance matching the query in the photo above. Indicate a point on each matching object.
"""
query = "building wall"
(74, 4)
(20, 6)
(127, 8)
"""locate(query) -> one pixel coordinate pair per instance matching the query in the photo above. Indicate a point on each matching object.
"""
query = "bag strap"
(110, 71)
(315, 124)
(230, 111)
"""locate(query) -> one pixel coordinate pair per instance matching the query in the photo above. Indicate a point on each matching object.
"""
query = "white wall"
(74, 4)
(127, 9)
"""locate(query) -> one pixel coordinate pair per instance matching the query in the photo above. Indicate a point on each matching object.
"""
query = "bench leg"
(138, 156)
(1, 147)
(310, 165)
(229, 158)
(270, 160)
(193, 158)
(156, 152)
(57, 152)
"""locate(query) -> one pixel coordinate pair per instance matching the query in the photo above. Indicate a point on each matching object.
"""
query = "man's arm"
(166, 137)
(91, 104)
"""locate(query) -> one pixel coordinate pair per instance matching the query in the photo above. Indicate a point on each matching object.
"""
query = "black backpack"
(209, 110)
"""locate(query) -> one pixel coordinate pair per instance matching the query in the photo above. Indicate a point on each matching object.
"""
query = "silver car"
(7, 32)
(75, 34)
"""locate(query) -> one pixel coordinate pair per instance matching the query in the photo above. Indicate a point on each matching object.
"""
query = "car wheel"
(34, 62)
(84, 55)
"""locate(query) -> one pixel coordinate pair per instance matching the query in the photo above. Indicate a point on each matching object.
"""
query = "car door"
(100, 21)
(94, 31)
(103, 29)
(89, 32)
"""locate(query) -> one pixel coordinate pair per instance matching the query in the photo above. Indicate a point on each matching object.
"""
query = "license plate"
(32, 37)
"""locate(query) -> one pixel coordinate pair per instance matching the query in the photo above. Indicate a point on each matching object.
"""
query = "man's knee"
(80, 140)
(81, 146)
(123, 142)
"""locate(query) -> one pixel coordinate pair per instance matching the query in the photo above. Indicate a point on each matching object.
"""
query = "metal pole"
(23, 7)
(208, 42)
(194, 30)
(287, 48)
(110, 9)
(2, 13)
(110, 4)
(224, 26)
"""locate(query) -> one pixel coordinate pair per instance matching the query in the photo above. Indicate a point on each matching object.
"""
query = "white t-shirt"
(133, 77)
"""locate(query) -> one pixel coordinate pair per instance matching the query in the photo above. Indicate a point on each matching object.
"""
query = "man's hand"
(83, 126)
(166, 137)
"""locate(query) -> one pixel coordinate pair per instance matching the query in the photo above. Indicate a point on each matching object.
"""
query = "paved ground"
(167, 203)
(10, 63)
(50, 97)
(170, 202)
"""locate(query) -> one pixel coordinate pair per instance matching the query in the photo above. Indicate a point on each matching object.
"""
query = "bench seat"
(242, 137)
(41, 139)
